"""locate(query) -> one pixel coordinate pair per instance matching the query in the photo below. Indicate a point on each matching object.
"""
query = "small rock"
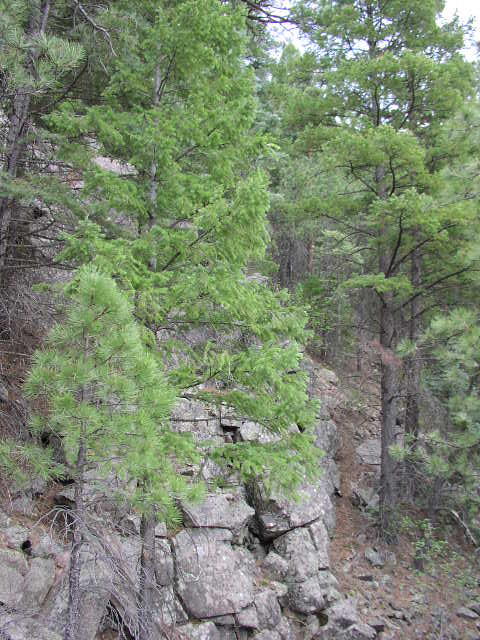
(359, 631)
(467, 614)
(373, 557)
(397, 615)
(369, 451)
(343, 614)
(377, 623)
(365, 577)
(474, 606)
(161, 530)
(248, 618)
(306, 597)
(419, 598)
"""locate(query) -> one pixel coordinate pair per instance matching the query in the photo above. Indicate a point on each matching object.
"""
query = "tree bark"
(389, 411)
(146, 588)
(18, 126)
(389, 385)
(413, 368)
(77, 544)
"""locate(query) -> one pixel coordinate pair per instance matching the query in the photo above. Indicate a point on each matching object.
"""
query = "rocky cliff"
(243, 566)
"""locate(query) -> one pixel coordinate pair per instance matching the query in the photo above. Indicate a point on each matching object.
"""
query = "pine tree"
(109, 404)
(184, 221)
(178, 224)
(384, 80)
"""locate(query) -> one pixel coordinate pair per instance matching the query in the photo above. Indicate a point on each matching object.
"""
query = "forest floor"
(410, 603)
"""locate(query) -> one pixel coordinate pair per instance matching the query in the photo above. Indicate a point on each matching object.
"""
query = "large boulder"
(275, 514)
(210, 577)
(306, 597)
(269, 613)
(298, 548)
(97, 586)
(13, 569)
(219, 511)
(164, 568)
(326, 435)
(203, 631)
(38, 582)
(195, 417)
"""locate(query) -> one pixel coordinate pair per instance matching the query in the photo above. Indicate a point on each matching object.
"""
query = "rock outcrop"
(245, 566)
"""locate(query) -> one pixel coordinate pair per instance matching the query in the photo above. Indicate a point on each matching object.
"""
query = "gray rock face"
(13, 569)
(275, 566)
(297, 546)
(321, 542)
(269, 613)
(203, 631)
(164, 569)
(26, 630)
(168, 608)
(343, 614)
(38, 582)
(226, 576)
(219, 510)
(267, 634)
(306, 597)
(285, 630)
(196, 418)
(370, 451)
(248, 618)
(210, 580)
(254, 432)
(327, 437)
(277, 515)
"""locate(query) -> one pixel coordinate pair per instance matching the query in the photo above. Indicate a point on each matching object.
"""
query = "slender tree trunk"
(147, 584)
(310, 254)
(18, 126)
(146, 588)
(361, 346)
(78, 525)
(389, 408)
(77, 544)
(413, 368)
(389, 385)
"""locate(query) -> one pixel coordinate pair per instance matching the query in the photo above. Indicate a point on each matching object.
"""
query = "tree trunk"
(146, 589)
(389, 402)
(77, 544)
(413, 368)
(17, 126)
(389, 385)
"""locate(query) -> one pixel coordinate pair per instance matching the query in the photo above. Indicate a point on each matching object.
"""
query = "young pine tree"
(109, 404)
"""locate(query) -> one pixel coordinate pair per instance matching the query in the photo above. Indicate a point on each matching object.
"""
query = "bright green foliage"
(105, 392)
(21, 462)
(453, 452)
(57, 56)
(182, 223)
(381, 83)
